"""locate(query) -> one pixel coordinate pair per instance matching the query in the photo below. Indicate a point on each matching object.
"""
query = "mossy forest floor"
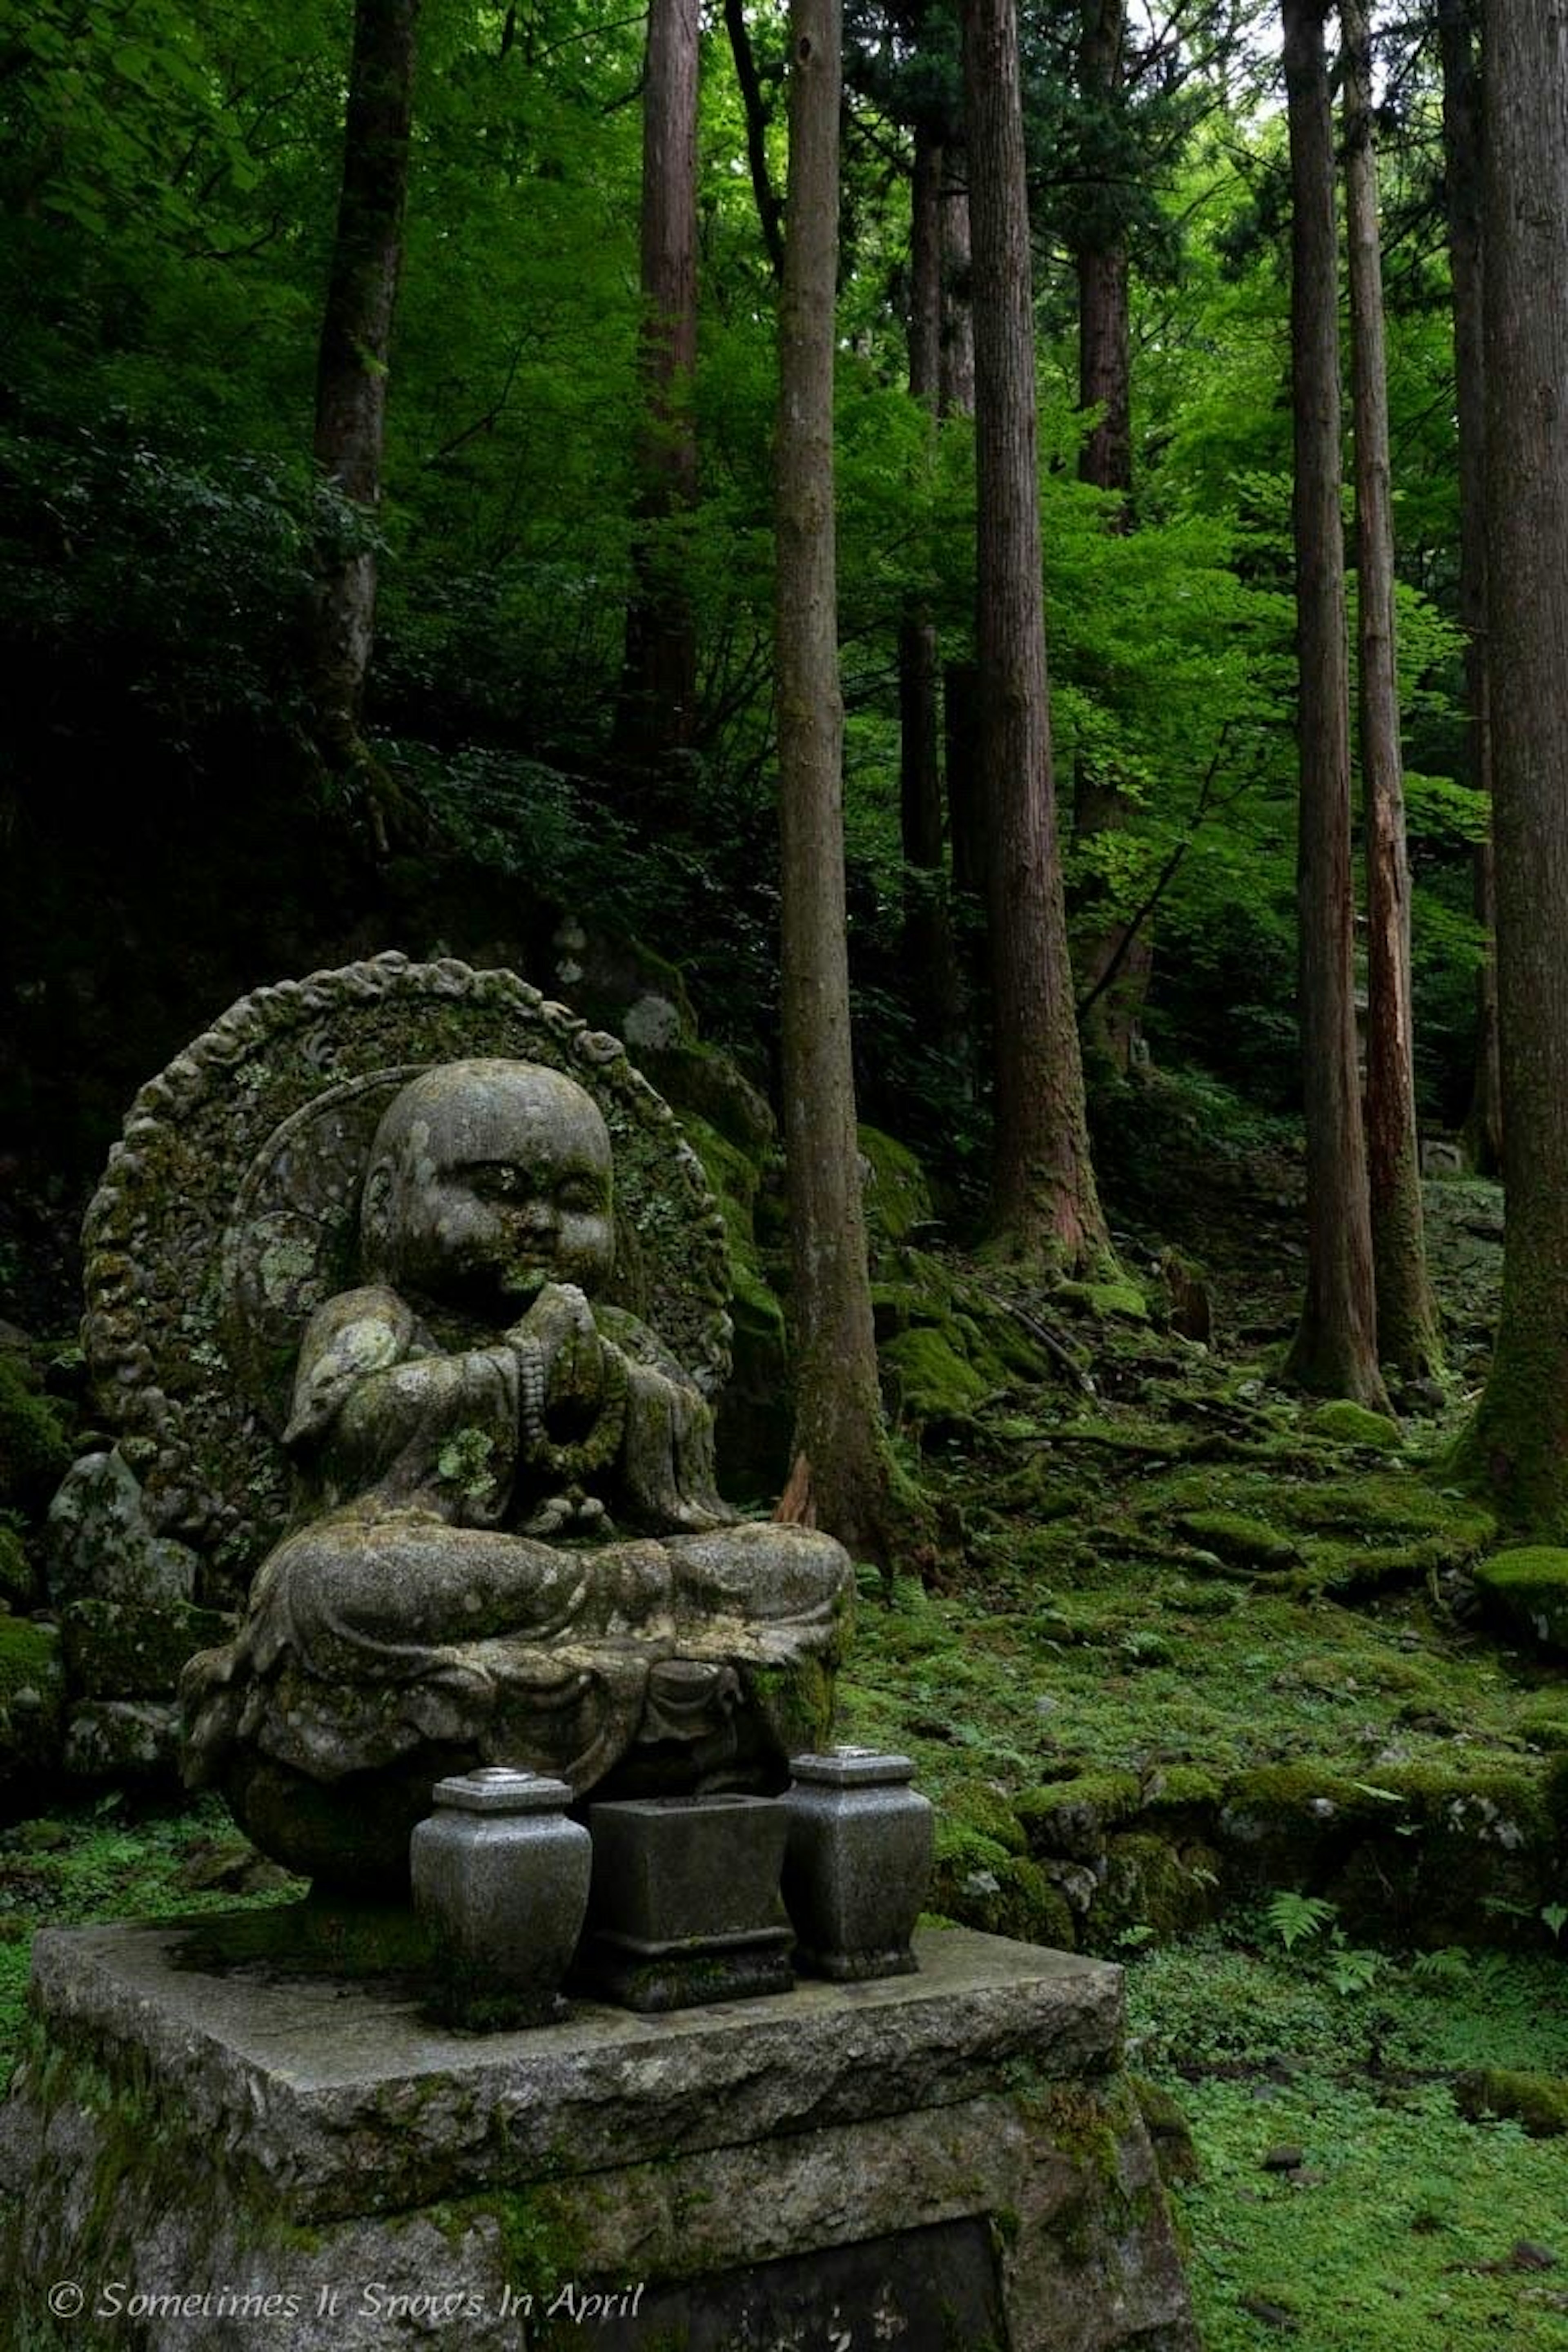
(1201, 1681)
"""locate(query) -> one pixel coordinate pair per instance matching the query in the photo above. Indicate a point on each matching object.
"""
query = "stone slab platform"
(235, 2159)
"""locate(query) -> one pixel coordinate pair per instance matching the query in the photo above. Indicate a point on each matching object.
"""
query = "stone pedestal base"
(232, 2161)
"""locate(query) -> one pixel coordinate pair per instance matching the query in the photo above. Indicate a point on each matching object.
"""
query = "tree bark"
(1044, 1207)
(657, 706)
(1105, 459)
(1462, 173)
(1518, 1440)
(928, 949)
(838, 1427)
(352, 355)
(956, 390)
(1406, 1309)
(1335, 1347)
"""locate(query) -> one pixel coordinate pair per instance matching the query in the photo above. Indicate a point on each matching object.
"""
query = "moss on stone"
(35, 1451)
(116, 1649)
(1241, 1541)
(16, 1580)
(1075, 1818)
(1354, 1424)
(1528, 1590)
(1170, 2133)
(896, 1193)
(933, 1378)
(1104, 1299)
(1539, 2102)
(980, 1806)
(1153, 1884)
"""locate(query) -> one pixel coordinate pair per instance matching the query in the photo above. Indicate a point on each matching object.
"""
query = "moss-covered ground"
(1202, 1679)
(1205, 1679)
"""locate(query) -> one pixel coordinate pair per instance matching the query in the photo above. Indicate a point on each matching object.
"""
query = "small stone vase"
(857, 1863)
(501, 1875)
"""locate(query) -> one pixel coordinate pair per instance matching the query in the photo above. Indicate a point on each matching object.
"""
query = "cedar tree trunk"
(1044, 1207)
(1462, 174)
(1105, 385)
(353, 356)
(843, 1461)
(1518, 1440)
(1407, 1310)
(928, 950)
(659, 683)
(1335, 1347)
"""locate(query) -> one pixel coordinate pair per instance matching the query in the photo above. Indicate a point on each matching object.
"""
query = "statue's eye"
(582, 1196)
(498, 1183)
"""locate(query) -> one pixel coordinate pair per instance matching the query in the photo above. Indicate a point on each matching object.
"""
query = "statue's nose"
(537, 1217)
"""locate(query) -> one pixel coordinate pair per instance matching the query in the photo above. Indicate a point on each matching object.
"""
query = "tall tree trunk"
(955, 397)
(1462, 173)
(1406, 1309)
(1335, 1347)
(841, 1449)
(1518, 1440)
(956, 388)
(928, 949)
(354, 352)
(1105, 459)
(656, 707)
(1044, 1207)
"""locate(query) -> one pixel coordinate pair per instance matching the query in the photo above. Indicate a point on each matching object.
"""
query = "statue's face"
(487, 1179)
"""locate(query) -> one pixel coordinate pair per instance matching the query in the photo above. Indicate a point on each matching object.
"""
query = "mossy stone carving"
(229, 1209)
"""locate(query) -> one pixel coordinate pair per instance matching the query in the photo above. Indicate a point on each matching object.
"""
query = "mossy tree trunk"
(1517, 1442)
(1406, 1308)
(843, 1477)
(1044, 1206)
(354, 353)
(1335, 1348)
(1457, 28)
(655, 711)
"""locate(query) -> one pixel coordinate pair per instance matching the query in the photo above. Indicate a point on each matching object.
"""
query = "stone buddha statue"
(506, 1545)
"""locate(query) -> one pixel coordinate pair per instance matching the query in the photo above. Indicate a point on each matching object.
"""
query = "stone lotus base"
(238, 2160)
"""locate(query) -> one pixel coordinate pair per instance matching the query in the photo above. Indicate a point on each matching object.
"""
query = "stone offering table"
(218, 2159)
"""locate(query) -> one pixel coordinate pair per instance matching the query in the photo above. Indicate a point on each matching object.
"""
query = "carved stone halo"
(229, 1212)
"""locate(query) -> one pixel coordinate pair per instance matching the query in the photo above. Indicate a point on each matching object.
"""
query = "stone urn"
(857, 1863)
(502, 1876)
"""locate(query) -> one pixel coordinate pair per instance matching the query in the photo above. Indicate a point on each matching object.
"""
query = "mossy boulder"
(978, 1882)
(1238, 1541)
(895, 1191)
(16, 1580)
(32, 1701)
(122, 1740)
(1074, 1819)
(930, 1377)
(1539, 2102)
(35, 1450)
(1115, 1295)
(124, 1649)
(1154, 1885)
(980, 1805)
(1527, 1591)
(1170, 2133)
(1353, 1424)
(755, 1411)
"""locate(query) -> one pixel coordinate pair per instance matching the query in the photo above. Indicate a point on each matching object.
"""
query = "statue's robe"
(416, 1610)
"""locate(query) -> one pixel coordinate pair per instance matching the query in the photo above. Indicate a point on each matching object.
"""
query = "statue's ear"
(376, 1215)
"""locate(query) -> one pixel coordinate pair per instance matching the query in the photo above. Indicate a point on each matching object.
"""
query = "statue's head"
(486, 1179)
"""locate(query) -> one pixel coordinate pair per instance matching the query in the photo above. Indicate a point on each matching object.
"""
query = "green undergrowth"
(113, 1859)
(1344, 2201)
